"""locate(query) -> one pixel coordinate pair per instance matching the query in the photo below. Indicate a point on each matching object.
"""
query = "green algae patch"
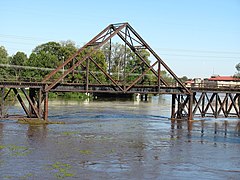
(61, 170)
(36, 121)
(70, 133)
(14, 150)
(2, 147)
(85, 152)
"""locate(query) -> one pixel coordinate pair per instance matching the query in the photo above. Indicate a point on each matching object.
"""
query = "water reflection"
(1, 132)
(36, 134)
(215, 127)
(238, 128)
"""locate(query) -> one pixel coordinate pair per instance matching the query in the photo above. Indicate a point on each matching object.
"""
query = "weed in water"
(61, 170)
(19, 150)
(69, 133)
(85, 152)
(2, 147)
(14, 150)
(27, 176)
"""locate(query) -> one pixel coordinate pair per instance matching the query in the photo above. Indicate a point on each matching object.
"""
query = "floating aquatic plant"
(15, 150)
(61, 170)
(85, 152)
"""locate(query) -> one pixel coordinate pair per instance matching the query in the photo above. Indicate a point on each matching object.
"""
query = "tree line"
(117, 61)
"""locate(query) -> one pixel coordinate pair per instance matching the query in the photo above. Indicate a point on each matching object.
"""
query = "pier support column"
(190, 107)
(32, 96)
(173, 106)
(179, 107)
(2, 103)
(39, 102)
(146, 96)
(45, 113)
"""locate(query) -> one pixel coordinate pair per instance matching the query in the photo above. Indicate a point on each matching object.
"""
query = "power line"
(22, 37)
(200, 56)
(164, 49)
(26, 67)
(200, 51)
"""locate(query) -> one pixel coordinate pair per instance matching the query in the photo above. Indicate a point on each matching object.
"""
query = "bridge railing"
(214, 85)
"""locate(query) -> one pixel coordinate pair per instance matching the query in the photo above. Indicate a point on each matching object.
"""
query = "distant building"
(196, 82)
(189, 83)
(214, 81)
(222, 81)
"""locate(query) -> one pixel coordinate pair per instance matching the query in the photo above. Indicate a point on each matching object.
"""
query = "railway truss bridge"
(187, 103)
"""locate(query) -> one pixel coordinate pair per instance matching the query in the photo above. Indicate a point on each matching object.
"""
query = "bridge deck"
(111, 88)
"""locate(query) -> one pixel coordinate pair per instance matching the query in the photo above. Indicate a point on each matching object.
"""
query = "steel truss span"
(185, 102)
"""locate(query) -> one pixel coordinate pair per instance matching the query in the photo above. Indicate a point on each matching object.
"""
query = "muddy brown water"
(119, 140)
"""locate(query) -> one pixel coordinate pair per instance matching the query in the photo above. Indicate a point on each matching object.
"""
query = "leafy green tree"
(134, 62)
(95, 75)
(167, 77)
(238, 67)
(19, 59)
(238, 70)
(99, 58)
(49, 55)
(4, 60)
(122, 61)
(40, 60)
(115, 59)
(3, 55)
(184, 78)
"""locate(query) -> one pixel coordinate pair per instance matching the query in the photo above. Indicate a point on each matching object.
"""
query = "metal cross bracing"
(217, 104)
(34, 102)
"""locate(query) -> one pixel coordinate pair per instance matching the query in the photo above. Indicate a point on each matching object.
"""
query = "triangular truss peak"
(133, 41)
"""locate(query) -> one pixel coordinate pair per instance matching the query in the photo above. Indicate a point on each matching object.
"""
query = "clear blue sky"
(196, 38)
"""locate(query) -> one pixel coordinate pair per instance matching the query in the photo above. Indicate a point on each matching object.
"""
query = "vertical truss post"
(87, 75)
(124, 61)
(109, 56)
(159, 76)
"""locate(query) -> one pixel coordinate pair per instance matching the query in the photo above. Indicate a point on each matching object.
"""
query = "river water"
(119, 140)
